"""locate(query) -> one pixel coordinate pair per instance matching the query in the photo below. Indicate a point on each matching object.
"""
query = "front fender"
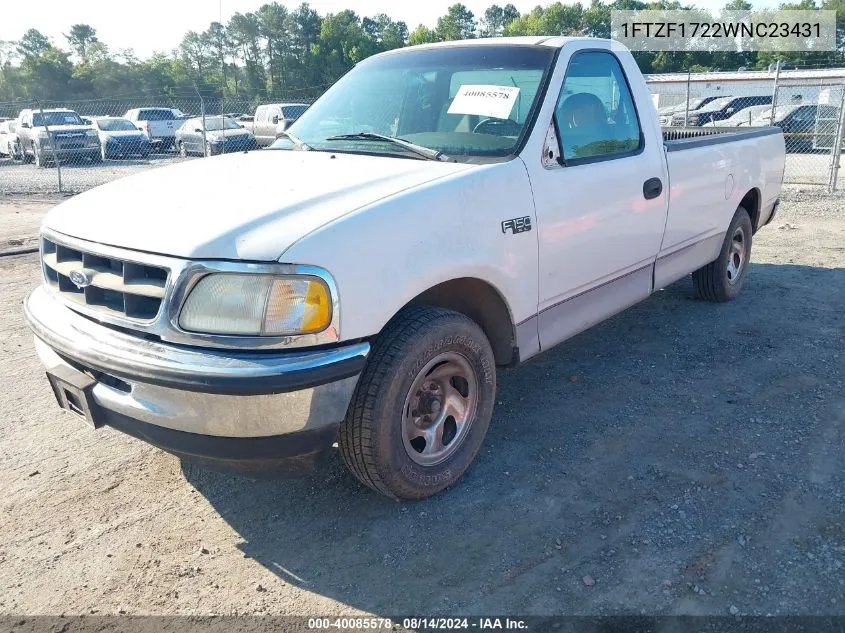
(384, 255)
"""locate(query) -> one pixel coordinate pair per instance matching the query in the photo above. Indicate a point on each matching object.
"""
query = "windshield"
(780, 112)
(294, 112)
(749, 114)
(472, 103)
(115, 125)
(56, 119)
(217, 123)
(717, 104)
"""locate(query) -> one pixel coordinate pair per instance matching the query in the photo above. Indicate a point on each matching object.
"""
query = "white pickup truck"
(441, 211)
(159, 124)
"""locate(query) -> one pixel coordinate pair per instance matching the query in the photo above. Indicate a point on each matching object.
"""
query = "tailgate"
(162, 129)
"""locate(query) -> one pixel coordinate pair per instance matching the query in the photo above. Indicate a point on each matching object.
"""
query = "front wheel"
(422, 406)
(722, 279)
(183, 152)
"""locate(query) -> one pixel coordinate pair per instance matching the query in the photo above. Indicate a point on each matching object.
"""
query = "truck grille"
(116, 287)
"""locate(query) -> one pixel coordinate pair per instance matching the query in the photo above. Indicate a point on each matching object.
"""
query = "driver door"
(601, 211)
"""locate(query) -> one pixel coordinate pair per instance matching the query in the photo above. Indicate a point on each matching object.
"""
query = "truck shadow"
(590, 446)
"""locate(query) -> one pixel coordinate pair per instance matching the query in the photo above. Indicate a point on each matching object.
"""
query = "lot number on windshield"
(490, 101)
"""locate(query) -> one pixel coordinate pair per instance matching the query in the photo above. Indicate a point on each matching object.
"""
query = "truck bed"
(677, 139)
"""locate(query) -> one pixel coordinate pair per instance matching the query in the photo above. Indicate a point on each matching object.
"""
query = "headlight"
(257, 305)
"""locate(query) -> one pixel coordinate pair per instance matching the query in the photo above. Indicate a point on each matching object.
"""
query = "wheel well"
(751, 203)
(482, 303)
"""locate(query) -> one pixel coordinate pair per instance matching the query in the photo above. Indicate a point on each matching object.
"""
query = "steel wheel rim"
(736, 256)
(439, 409)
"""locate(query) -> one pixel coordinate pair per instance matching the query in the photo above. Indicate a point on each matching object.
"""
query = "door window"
(595, 114)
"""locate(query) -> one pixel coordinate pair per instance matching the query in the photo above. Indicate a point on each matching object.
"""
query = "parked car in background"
(159, 124)
(69, 138)
(665, 114)
(222, 135)
(120, 138)
(9, 145)
(720, 109)
(802, 125)
(742, 118)
(274, 118)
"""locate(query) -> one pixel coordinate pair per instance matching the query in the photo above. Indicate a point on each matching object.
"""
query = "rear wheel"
(722, 280)
(422, 405)
(182, 151)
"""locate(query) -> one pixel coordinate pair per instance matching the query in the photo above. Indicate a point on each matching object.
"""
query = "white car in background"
(120, 137)
(745, 117)
(9, 144)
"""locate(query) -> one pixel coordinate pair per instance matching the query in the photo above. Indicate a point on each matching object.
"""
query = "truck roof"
(555, 41)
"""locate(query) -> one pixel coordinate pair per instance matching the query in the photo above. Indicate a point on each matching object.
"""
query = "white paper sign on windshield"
(490, 101)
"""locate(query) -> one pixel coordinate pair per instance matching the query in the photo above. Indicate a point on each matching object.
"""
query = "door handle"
(652, 188)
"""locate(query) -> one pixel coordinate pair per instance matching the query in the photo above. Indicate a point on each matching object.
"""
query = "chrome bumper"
(198, 391)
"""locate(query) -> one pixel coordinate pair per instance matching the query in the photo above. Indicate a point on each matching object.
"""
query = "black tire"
(96, 158)
(372, 438)
(716, 281)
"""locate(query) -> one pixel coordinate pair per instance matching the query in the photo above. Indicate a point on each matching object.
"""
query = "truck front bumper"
(254, 411)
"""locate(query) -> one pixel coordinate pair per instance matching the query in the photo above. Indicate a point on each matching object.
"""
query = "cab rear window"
(156, 115)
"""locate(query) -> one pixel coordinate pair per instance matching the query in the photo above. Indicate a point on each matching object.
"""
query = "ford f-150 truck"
(45, 136)
(441, 211)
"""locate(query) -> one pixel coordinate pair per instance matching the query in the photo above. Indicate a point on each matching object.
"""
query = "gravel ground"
(681, 458)
(19, 178)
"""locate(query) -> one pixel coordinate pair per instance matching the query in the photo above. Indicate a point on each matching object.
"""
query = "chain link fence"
(809, 109)
(49, 146)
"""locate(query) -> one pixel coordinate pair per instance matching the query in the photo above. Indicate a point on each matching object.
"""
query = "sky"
(158, 25)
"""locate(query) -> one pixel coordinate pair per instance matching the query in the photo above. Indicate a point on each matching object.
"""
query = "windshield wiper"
(421, 150)
(298, 142)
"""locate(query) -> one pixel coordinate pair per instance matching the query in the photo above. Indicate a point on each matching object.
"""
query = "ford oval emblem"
(79, 278)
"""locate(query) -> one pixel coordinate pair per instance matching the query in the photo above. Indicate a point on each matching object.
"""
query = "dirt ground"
(682, 458)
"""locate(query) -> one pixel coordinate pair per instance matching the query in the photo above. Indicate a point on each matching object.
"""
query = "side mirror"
(198, 130)
(275, 119)
(25, 125)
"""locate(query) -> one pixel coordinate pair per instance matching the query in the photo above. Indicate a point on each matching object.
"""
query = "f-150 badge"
(517, 225)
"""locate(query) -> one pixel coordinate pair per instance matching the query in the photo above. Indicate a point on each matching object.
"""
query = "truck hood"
(64, 130)
(247, 206)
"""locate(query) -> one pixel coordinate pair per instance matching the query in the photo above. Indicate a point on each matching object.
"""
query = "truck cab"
(272, 119)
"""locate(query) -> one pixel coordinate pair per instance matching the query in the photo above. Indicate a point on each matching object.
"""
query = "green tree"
(80, 38)
(33, 44)
(496, 19)
(457, 24)
(422, 35)
(244, 31)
